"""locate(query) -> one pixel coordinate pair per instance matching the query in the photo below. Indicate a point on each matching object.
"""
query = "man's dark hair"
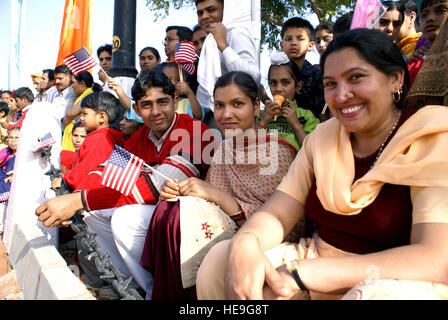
(297, 22)
(184, 33)
(62, 69)
(50, 73)
(326, 25)
(6, 91)
(24, 92)
(103, 101)
(149, 79)
(4, 107)
(342, 24)
(199, 1)
(106, 47)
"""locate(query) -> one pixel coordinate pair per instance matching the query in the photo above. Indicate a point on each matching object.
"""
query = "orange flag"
(75, 32)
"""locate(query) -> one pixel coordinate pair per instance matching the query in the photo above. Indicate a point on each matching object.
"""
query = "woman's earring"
(397, 99)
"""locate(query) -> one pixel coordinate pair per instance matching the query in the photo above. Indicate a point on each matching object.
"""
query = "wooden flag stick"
(325, 108)
(181, 74)
(159, 173)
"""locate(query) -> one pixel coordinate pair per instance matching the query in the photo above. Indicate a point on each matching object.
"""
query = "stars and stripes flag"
(45, 141)
(122, 170)
(185, 56)
(4, 197)
(80, 61)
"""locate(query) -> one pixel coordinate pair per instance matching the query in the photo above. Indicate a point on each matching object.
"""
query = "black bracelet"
(299, 282)
(293, 267)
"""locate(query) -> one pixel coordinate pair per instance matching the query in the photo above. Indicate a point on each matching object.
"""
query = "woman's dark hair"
(149, 79)
(153, 50)
(78, 124)
(4, 107)
(104, 102)
(87, 78)
(376, 48)
(243, 80)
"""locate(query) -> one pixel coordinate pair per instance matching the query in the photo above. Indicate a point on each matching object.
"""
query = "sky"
(43, 28)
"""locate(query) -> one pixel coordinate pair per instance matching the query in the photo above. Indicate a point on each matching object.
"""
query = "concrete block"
(23, 237)
(39, 259)
(61, 284)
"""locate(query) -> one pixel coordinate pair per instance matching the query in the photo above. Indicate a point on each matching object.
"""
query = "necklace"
(385, 140)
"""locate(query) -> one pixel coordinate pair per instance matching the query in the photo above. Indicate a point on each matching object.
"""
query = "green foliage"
(273, 13)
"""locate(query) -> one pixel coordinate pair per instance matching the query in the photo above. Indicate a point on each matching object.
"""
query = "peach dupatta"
(416, 156)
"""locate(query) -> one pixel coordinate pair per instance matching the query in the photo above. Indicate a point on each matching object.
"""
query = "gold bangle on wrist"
(239, 216)
(248, 233)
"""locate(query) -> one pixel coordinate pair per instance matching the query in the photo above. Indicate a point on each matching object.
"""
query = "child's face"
(432, 19)
(322, 39)
(281, 82)
(296, 43)
(78, 136)
(91, 119)
(172, 74)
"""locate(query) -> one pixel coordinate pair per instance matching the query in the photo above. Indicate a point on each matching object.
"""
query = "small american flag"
(185, 56)
(80, 61)
(122, 170)
(45, 141)
(4, 197)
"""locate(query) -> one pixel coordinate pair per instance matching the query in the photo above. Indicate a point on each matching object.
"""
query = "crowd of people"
(328, 184)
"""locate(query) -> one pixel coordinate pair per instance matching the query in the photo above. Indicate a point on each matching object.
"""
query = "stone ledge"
(41, 272)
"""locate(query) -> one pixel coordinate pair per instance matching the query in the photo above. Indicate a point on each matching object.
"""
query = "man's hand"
(102, 76)
(56, 183)
(57, 211)
(219, 32)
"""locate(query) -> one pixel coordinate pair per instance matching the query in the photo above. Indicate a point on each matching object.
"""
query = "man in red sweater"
(173, 144)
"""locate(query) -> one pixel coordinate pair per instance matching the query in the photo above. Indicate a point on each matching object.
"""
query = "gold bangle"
(237, 213)
(248, 233)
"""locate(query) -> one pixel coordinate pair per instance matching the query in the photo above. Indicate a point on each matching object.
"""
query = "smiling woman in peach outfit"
(374, 180)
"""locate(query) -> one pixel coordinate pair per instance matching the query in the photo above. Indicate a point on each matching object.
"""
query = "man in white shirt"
(238, 48)
(48, 89)
(66, 96)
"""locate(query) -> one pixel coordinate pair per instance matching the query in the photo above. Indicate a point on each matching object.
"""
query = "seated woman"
(373, 179)
(244, 172)
(79, 134)
(7, 158)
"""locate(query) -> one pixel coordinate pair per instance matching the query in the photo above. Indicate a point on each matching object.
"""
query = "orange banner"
(75, 32)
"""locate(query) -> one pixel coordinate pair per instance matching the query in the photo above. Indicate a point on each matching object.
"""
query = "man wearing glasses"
(174, 35)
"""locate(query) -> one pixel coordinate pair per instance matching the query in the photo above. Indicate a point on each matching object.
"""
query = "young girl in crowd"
(287, 120)
(7, 158)
(79, 134)
(189, 105)
(128, 126)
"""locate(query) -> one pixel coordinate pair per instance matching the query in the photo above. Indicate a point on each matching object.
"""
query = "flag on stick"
(80, 61)
(76, 28)
(122, 170)
(45, 141)
(185, 56)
